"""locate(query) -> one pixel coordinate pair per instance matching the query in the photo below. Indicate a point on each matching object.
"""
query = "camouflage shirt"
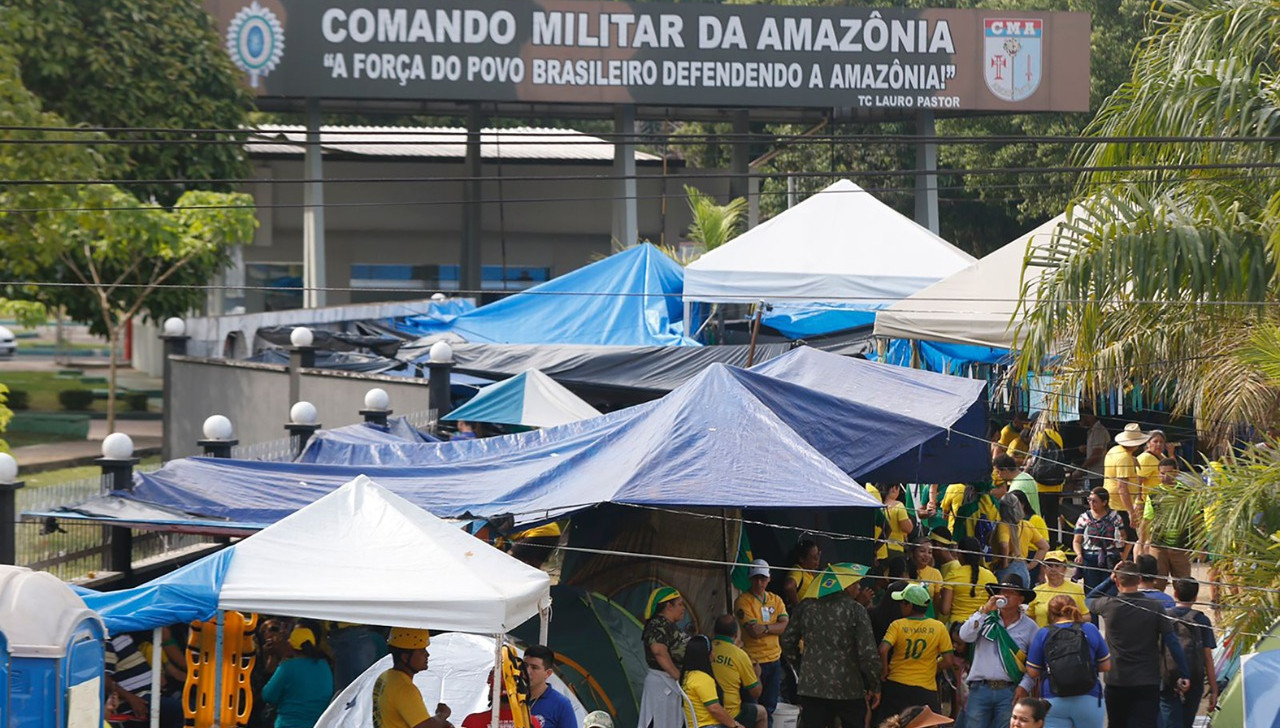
(663, 631)
(839, 660)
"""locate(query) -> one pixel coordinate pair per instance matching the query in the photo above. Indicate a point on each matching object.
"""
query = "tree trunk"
(114, 339)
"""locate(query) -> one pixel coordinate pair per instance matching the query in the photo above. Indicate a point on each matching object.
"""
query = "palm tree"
(1165, 274)
(713, 225)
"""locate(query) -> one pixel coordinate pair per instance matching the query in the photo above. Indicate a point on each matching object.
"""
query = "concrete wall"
(255, 397)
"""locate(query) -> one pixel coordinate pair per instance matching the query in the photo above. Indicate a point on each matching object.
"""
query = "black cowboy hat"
(1013, 582)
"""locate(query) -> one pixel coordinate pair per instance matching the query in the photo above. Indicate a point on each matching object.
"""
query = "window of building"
(272, 286)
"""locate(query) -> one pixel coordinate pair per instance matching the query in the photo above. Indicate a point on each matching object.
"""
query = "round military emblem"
(255, 41)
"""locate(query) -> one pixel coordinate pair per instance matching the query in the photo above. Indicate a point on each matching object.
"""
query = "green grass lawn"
(66, 475)
(22, 439)
(43, 388)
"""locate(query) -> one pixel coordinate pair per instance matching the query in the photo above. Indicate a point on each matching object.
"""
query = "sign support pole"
(313, 273)
(626, 226)
(469, 270)
(926, 173)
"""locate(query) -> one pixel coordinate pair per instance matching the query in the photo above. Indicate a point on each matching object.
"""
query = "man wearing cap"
(913, 650)
(397, 702)
(838, 673)
(1120, 478)
(1000, 646)
(662, 702)
(763, 618)
(1055, 574)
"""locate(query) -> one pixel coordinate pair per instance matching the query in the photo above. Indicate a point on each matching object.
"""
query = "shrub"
(136, 401)
(75, 399)
(18, 399)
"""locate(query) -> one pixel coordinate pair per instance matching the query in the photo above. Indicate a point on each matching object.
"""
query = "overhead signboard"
(654, 54)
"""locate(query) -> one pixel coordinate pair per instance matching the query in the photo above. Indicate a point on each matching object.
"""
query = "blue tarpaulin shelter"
(946, 440)
(631, 298)
(956, 407)
(729, 438)
(397, 429)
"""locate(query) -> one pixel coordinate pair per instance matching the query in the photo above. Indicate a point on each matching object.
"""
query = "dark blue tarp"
(364, 433)
(957, 407)
(729, 438)
(631, 298)
(942, 357)
(799, 321)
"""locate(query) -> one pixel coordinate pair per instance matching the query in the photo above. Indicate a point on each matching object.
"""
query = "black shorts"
(1130, 533)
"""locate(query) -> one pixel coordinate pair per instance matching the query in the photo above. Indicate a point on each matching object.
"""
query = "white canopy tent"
(841, 245)
(977, 305)
(364, 554)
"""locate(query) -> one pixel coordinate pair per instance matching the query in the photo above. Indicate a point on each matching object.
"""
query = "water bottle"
(1001, 602)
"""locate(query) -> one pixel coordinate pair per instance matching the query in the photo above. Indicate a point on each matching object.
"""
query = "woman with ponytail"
(967, 598)
(1053, 661)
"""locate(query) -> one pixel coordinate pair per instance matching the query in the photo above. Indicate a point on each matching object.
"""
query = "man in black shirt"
(1136, 628)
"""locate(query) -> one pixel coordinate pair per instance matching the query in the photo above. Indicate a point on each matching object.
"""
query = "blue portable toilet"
(51, 654)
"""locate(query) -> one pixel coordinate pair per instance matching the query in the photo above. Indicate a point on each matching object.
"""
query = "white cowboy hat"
(1132, 435)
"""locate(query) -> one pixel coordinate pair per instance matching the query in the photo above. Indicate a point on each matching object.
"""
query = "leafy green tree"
(1166, 275)
(114, 257)
(713, 224)
(136, 64)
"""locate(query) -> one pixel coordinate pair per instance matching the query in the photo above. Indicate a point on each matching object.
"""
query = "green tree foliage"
(136, 64)
(117, 256)
(713, 224)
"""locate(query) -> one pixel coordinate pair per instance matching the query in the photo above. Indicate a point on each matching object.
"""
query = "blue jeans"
(1077, 711)
(1177, 711)
(770, 686)
(988, 707)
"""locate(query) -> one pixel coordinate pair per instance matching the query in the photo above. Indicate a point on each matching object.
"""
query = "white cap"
(597, 719)
(759, 567)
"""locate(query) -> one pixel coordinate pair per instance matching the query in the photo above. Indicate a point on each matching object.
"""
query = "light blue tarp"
(1261, 698)
(797, 321)
(944, 358)
(631, 298)
(729, 438)
(956, 407)
(184, 595)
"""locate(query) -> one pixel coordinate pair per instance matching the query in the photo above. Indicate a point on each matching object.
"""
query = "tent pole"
(544, 625)
(156, 647)
(217, 672)
(728, 557)
(496, 697)
(755, 332)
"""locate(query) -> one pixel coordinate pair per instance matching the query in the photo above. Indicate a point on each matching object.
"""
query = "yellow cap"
(300, 636)
(408, 638)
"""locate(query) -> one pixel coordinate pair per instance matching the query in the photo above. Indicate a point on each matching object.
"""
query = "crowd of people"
(982, 608)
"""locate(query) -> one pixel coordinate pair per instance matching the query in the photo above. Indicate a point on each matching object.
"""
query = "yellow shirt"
(750, 609)
(1039, 607)
(915, 644)
(733, 672)
(896, 514)
(1120, 465)
(1017, 449)
(397, 703)
(1026, 538)
(1008, 434)
(962, 604)
(1039, 526)
(1148, 470)
(951, 500)
(802, 579)
(932, 579)
(701, 689)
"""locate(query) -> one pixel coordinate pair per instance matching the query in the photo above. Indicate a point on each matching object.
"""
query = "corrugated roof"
(436, 142)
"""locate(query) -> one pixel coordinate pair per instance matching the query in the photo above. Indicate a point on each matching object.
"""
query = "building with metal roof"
(394, 203)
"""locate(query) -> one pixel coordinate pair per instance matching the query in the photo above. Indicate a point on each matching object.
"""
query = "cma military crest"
(1012, 56)
(255, 41)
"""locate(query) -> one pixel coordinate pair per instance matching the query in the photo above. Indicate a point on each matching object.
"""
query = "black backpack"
(1189, 637)
(1047, 465)
(1068, 661)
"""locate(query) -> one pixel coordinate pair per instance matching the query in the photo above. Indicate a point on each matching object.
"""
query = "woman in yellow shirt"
(699, 684)
(1055, 572)
(806, 557)
(899, 523)
(1149, 475)
(970, 593)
